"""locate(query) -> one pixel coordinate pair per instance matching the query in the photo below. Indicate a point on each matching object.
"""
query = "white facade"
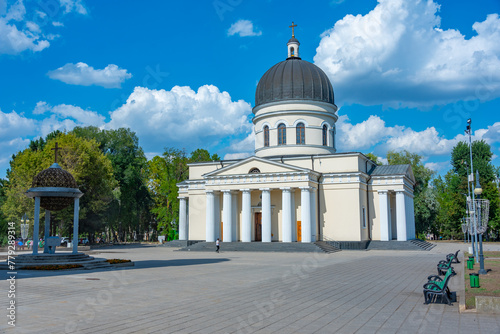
(296, 188)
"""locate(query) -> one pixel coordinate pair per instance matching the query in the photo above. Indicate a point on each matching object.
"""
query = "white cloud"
(182, 117)
(14, 41)
(82, 74)
(57, 24)
(438, 166)
(243, 28)
(14, 125)
(398, 56)
(73, 5)
(236, 156)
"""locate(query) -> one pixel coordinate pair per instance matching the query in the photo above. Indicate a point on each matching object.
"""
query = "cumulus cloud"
(14, 125)
(18, 34)
(243, 28)
(398, 55)
(182, 117)
(82, 74)
(64, 112)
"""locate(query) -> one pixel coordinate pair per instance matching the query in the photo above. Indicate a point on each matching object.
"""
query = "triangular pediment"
(264, 166)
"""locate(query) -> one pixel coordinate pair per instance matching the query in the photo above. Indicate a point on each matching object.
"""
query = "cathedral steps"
(285, 247)
(412, 245)
(423, 244)
(327, 247)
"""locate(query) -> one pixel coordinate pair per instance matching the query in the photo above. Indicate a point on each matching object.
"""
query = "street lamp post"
(482, 210)
(24, 227)
(471, 176)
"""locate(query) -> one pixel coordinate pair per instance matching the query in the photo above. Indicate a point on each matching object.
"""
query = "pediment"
(263, 165)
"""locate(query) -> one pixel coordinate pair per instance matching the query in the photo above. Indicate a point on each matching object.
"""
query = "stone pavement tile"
(387, 330)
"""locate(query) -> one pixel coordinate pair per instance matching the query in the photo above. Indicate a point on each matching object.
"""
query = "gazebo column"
(266, 215)
(305, 202)
(294, 216)
(36, 225)
(286, 217)
(314, 223)
(76, 216)
(246, 223)
(47, 230)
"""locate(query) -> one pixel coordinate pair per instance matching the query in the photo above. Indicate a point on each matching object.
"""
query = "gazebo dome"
(54, 177)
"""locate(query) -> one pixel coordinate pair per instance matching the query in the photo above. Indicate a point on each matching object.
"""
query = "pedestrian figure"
(217, 245)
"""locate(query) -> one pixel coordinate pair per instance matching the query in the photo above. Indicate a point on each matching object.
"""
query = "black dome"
(294, 79)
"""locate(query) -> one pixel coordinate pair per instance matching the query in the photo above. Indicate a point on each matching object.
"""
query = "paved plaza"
(168, 291)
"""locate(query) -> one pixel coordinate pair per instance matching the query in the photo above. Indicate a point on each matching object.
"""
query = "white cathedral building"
(297, 187)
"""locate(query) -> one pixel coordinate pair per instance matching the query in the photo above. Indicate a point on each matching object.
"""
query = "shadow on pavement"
(143, 264)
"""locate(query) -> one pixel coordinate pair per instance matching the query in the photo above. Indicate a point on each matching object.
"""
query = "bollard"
(474, 280)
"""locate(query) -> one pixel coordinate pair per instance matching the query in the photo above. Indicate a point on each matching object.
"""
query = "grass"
(489, 284)
(53, 267)
(116, 261)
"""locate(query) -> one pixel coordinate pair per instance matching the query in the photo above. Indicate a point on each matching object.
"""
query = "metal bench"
(437, 288)
(454, 257)
(444, 265)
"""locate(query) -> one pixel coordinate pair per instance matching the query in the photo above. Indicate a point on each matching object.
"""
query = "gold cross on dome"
(293, 31)
(55, 149)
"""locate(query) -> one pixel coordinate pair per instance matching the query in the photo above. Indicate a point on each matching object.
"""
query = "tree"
(129, 210)
(481, 159)
(422, 174)
(3, 219)
(83, 159)
(374, 158)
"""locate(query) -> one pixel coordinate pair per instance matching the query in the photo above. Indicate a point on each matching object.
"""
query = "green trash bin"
(474, 280)
(470, 263)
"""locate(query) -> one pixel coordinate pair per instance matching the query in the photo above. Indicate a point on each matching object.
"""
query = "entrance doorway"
(299, 231)
(258, 226)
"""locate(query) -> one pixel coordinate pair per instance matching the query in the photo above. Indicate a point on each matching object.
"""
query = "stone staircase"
(180, 243)
(423, 244)
(413, 245)
(327, 247)
(30, 260)
(285, 247)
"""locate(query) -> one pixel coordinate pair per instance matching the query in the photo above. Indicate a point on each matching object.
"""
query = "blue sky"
(406, 74)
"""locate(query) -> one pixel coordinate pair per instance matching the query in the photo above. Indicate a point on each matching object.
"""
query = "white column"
(246, 223)
(314, 209)
(385, 228)
(234, 210)
(210, 219)
(47, 230)
(305, 202)
(266, 215)
(227, 216)
(286, 215)
(401, 215)
(294, 215)
(217, 215)
(76, 218)
(36, 225)
(182, 219)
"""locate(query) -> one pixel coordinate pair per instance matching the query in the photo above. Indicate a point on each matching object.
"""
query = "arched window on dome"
(301, 134)
(281, 134)
(292, 51)
(325, 135)
(266, 136)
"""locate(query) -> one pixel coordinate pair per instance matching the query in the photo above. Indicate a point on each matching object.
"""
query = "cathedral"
(297, 187)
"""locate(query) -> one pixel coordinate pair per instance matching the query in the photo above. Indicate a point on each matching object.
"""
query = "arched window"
(254, 171)
(325, 135)
(281, 134)
(301, 134)
(266, 136)
(292, 51)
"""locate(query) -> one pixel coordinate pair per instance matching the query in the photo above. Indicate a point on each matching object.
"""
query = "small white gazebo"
(54, 189)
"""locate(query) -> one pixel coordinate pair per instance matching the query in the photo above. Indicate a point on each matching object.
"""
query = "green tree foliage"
(425, 203)
(374, 158)
(83, 159)
(3, 219)
(449, 191)
(129, 210)
(481, 159)
(165, 173)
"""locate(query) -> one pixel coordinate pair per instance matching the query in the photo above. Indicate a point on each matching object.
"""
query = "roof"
(386, 170)
(294, 79)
